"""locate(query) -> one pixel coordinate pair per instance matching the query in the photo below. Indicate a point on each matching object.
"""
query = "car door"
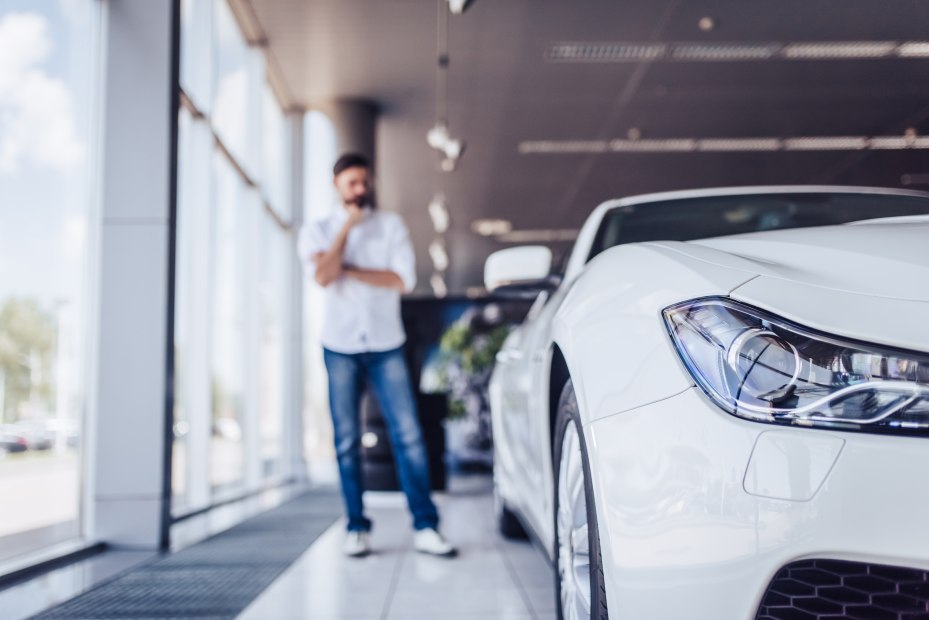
(522, 367)
(513, 376)
(538, 443)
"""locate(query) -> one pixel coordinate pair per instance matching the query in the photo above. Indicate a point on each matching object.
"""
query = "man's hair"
(350, 160)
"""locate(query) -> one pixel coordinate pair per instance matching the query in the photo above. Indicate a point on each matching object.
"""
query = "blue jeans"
(389, 378)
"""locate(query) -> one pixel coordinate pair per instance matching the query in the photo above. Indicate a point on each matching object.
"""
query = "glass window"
(196, 52)
(274, 154)
(272, 291)
(228, 326)
(233, 267)
(236, 98)
(47, 93)
(192, 303)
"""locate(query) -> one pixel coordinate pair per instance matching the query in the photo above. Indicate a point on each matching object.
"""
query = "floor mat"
(217, 578)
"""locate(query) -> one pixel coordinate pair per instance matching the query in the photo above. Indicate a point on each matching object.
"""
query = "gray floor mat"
(216, 578)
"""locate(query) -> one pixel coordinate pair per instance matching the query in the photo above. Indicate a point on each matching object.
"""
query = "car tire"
(570, 461)
(507, 521)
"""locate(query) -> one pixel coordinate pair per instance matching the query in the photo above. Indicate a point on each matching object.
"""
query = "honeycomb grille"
(832, 589)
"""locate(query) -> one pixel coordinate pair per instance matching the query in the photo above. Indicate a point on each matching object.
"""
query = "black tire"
(568, 414)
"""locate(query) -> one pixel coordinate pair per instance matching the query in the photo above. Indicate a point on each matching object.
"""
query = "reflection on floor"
(491, 577)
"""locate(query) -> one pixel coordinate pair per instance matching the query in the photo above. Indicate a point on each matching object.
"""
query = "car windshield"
(684, 219)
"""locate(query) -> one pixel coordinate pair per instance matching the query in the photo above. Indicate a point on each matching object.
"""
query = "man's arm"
(383, 278)
(329, 263)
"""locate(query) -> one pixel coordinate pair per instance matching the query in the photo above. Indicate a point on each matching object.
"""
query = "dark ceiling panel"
(504, 91)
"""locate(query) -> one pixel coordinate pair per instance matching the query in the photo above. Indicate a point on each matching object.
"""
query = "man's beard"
(360, 201)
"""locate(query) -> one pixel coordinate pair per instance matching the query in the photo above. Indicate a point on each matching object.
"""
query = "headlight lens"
(761, 367)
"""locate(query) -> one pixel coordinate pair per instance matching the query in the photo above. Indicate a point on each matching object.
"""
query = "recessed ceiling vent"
(606, 52)
(716, 52)
(725, 145)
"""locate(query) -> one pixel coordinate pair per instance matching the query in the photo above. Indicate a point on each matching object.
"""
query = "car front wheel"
(579, 579)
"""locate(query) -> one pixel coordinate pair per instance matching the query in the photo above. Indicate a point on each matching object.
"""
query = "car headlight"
(761, 367)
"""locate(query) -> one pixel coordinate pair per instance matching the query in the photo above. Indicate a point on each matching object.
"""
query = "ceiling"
(504, 90)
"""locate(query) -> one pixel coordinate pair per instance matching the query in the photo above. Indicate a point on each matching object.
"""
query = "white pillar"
(130, 413)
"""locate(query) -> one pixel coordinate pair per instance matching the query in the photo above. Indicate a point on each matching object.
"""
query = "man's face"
(353, 186)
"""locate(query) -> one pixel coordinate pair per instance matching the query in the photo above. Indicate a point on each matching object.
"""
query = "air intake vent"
(821, 589)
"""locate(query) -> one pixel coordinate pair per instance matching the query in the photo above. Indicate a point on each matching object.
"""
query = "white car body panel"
(673, 545)
(682, 528)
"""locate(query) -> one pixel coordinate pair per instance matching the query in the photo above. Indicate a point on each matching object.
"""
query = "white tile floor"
(490, 578)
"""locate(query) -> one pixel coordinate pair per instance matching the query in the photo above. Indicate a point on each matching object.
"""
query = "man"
(364, 260)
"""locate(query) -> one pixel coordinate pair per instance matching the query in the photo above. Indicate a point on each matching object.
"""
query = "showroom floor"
(490, 578)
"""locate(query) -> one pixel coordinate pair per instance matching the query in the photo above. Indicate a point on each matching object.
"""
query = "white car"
(725, 426)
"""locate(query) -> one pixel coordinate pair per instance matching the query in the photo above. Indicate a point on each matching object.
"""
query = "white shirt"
(360, 317)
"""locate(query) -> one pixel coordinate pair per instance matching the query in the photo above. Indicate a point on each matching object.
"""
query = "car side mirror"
(523, 271)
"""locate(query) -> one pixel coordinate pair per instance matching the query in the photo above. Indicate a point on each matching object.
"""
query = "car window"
(716, 216)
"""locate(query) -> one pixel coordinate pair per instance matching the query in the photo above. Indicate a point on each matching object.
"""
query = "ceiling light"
(539, 236)
(606, 52)
(453, 149)
(722, 51)
(739, 144)
(438, 255)
(889, 143)
(653, 146)
(563, 146)
(438, 212)
(437, 283)
(632, 51)
(914, 49)
(438, 137)
(909, 140)
(826, 143)
(839, 50)
(706, 24)
(458, 7)
(491, 227)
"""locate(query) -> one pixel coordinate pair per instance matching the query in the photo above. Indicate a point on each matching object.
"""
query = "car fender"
(610, 329)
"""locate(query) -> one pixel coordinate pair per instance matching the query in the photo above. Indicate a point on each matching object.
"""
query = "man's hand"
(329, 263)
(355, 215)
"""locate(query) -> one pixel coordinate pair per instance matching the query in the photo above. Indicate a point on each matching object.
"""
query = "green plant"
(466, 358)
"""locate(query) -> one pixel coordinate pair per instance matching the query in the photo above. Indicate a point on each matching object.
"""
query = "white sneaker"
(356, 544)
(430, 541)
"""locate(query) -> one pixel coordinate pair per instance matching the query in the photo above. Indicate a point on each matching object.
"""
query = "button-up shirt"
(360, 317)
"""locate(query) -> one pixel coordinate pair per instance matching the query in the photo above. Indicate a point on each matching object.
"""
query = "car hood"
(878, 258)
(867, 281)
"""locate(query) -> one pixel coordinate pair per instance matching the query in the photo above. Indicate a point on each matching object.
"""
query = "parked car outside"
(12, 441)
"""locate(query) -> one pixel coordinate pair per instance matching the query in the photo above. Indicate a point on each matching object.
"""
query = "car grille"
(827, 589)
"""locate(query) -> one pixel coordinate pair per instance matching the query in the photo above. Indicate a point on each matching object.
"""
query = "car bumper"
(698, 510)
